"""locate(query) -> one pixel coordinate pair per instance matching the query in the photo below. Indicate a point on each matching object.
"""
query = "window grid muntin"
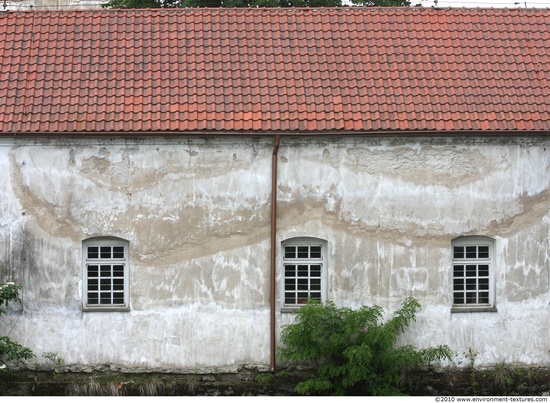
(106, 277)
(105, 252)
(105, 284)
(303, 270)
(471, 274)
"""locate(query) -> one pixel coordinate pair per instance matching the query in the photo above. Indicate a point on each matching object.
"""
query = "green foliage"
(284, 374)
(56, 360)
(259, 3)
(503, 377)
(249, 3)
(142, 4)
(471, 355)
(354, 351)
(381, 3)
(10, 350)
(9, 292)
(264, 381)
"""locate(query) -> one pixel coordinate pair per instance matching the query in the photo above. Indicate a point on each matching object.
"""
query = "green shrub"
(10, 350)
(264, 381)
(354, 351)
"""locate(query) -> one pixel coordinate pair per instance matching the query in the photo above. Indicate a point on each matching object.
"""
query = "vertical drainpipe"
(277, 141)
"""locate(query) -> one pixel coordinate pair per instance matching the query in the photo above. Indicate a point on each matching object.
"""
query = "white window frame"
(106, 269)
(313, 278)
(473, 274)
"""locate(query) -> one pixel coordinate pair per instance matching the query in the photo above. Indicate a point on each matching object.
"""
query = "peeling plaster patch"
(438, 165)
(284, 189)
(186, 334)
(412, 279)
(471, 194)
(145, 196)
(496, 346)
(238, 279)
(532, 209)
(524, 262)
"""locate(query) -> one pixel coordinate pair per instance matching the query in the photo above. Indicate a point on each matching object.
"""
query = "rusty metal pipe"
(277, 141)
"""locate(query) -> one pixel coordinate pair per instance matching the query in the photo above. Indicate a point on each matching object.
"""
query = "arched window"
(105, 274)
(304, 270)
(473, 273)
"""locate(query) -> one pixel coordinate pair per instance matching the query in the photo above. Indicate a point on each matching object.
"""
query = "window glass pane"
(303, 252)
(315, 285)
(118, 270)
(483, 270)
(105, 284)
(290, 298)
(316, 296)
(118, 284)
(471, 270)
(290, 252)
(315, 270)
(303, 284)
(105, 271)
(458, 298)
(93, 271)
(315, 252)
(118, 298)
(458, 252)
(483, 252)
(118, 252)
(93, 298)
(290, 270)
(105, 252)
(290, 284)
(303, 270)
(471, 297)
(483, 283)
(484, 297)
(458, 270)
(93, 252)
(92, 285)
(458, 284)
(105, 297)
(302, 297)
(471, 252)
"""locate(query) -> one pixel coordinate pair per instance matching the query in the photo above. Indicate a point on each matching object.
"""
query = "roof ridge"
(204, 10)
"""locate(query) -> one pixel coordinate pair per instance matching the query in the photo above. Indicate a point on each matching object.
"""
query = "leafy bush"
(10, 350)
(354, 351)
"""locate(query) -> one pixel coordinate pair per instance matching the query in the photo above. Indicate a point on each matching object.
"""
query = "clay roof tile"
(352, 69)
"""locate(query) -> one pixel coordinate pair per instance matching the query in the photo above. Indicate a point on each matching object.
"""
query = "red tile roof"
(265, 70)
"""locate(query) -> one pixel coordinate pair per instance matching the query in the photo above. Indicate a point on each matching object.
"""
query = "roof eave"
(252, 133)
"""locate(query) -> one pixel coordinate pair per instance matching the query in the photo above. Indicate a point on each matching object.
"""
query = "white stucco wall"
(26, 5)
(196, 213)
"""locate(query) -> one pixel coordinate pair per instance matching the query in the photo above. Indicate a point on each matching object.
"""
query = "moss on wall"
(502, 380)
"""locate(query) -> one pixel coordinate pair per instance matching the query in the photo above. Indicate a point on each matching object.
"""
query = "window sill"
(106, 309)
(472, 309)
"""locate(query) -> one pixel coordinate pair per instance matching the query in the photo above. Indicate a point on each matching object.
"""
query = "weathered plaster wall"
(390, 208)
(197, 215)
(11, 5)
